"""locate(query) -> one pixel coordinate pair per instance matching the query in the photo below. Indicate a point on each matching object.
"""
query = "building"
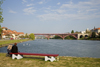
(83, 32)
(7, 33)
(96, 30)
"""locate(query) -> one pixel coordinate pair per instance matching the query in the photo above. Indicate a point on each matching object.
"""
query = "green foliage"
(70, 37)
(93, 35)
(32, 36)
(77, 32)
(26, 35)
(57, 37)
(0, 31)
(72, 31)
(22, 36)
(12, 41)
(99, 35)
(82, 38)
(1, 18)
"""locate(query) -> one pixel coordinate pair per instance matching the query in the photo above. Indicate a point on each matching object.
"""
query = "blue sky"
(51, 16)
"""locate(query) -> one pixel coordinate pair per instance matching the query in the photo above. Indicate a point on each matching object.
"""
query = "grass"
(12, 41)
(38, 61)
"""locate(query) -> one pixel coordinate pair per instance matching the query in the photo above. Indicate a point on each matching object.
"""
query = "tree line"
(92, 35)
(30, 36)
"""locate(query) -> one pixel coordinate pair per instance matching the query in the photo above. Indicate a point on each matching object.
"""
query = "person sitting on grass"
(9, 50)
(14, 48)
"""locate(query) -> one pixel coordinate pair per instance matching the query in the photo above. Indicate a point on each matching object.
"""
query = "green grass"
(38, 61)
(12, 41)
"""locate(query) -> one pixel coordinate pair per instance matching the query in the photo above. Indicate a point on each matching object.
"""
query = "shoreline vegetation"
(7, 42)
(72, 38)
(38, 61)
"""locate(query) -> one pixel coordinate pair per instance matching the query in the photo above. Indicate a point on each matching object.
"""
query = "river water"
(76, 48)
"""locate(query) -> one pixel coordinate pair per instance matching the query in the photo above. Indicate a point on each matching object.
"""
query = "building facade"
(96, 30)
(7, 33)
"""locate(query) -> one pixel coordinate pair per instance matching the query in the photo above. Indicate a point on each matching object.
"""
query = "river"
(76, 48)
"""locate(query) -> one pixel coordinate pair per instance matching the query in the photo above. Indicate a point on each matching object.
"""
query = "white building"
(7, 33)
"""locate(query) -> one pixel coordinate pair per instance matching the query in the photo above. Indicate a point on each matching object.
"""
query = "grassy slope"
(12, 41)
(36, 61)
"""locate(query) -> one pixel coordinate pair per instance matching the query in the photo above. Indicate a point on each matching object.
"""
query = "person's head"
(15, 43)
(9, 47)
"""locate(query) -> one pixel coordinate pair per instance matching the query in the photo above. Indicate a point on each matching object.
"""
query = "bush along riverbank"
(89, 38)
(7, 42)
(38, 61)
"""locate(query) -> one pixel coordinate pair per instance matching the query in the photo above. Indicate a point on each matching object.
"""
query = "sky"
(51, 16)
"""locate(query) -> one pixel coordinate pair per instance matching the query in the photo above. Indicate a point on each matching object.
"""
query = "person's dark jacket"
(14, 49)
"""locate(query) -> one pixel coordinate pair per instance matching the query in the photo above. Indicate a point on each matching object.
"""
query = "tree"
(1, 18)
(93, 35)
(94, 27)
(26, 35)
(68, 37)
(99, 35)
(0, 32)
(72, 31)
(32, 36)
(1, 10)
(22, 36)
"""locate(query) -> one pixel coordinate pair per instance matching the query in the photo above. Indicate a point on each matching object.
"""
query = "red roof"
(97, 29)
(6, 32)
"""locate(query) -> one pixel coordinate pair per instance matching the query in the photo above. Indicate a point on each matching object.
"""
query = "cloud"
(41, 2)
(58, 3)
(23, 1)
(29, 4)
(91, 10)
(82, 11)
(29, 10)
(11, 11)
(59, 11)
(53, 16)
(69, 5)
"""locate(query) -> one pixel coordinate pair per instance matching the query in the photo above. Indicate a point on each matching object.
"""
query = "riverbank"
(7, 42)
(38, 61)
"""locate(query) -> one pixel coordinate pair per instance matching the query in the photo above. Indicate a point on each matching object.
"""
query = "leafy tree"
(99, 35)
(57, 37)
(72, 31)
(0, 32)
(88, 31)
(93, 35)
(32, 36)
(94, 27)
(77, 32)
(72, 37)
(22, 36)
(68, 37)
(26, 35)
(1, 18)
